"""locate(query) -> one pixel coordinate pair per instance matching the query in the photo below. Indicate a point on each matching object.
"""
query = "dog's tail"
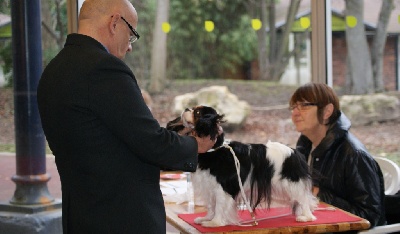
(261, 177)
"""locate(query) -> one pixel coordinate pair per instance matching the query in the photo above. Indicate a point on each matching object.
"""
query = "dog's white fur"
(222, 208)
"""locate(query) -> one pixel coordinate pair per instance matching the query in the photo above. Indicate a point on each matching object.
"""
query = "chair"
(391, 228)
(391, 176)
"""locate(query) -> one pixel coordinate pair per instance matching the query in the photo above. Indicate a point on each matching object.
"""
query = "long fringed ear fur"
(208, 125)
(175, 125)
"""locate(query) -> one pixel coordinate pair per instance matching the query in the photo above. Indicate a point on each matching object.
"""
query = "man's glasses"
(135, 34)
(302, 106)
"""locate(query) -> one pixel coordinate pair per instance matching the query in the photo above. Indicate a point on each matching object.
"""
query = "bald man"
(107, 145)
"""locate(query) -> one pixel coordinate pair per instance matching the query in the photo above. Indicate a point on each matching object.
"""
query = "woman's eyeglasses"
(302, 106)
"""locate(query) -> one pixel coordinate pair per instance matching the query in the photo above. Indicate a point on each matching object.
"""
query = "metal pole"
(319, 42)
(31, 178)
(72, 12)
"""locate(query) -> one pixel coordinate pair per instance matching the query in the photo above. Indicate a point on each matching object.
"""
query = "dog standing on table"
(269, 171)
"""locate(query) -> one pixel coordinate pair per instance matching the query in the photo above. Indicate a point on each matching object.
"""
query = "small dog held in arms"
(270, 171)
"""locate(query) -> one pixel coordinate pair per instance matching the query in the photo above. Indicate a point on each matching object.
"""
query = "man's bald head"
(94, 9)
(103, 20)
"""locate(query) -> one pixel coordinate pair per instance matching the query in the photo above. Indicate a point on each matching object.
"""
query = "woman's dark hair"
(322, 95)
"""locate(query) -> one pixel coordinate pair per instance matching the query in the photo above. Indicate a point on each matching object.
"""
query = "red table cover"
(285, 219)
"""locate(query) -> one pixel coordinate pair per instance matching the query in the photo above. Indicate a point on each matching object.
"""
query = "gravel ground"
(269, 119)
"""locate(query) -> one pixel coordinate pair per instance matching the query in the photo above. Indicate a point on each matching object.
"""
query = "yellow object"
(256, 24)
(209, 25)
(351, 21)
(166, 27)
(305, 22)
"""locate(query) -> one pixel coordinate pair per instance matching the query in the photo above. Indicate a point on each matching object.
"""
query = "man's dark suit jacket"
(108, 147)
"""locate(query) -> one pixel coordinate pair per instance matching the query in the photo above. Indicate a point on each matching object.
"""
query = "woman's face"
(305, 118)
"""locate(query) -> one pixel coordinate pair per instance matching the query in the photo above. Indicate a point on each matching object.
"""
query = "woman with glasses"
(344, 173)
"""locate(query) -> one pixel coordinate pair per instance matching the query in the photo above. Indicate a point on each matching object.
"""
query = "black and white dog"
(270, 171)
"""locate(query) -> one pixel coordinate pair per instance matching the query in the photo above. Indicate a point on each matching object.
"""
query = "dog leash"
(254, 220)
(244, 197)
(286, 214)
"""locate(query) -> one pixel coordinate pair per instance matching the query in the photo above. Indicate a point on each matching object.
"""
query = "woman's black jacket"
(346, 174)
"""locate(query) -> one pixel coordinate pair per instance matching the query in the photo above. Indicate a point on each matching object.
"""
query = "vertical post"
(321, 42)
(31, 178)
(73, 8)
(397, 55)
(72, 12)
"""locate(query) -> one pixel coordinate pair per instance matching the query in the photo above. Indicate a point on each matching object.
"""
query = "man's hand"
(203, 143)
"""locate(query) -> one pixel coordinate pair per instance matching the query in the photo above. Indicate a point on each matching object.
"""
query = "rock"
(218, 97)
(367, 109)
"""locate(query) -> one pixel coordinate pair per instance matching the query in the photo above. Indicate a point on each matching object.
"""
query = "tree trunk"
(272, 30)
(159, 51)
(348, 81)
(262, 42)
(60, 26)
(279, 65)
(359, 58)
(378, 45)
(49, 36)
(258, 9)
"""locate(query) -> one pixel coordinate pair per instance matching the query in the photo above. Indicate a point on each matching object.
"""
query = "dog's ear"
(175, 125)
(208, 125)
(204, 126)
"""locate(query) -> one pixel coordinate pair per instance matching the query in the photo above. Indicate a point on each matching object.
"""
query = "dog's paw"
(303, 218)
(212, 223)
(200, 220)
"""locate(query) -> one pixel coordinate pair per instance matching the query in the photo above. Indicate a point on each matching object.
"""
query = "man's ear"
(113, 24)
(328, 110)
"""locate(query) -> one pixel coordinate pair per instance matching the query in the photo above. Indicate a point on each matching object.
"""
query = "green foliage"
(11, 148)
(5, 47)
(49, 54)
(50, 49)
(7, 148)
(194, 52)
(240, 42)
(6, 61)
(5, 7)
(140, 58)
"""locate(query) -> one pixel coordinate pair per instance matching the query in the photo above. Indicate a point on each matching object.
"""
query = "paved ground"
(8, 169)
(7, 186)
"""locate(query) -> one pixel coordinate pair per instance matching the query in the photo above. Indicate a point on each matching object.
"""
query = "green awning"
(338, 24)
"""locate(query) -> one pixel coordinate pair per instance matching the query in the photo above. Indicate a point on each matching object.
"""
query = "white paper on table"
(173, 187)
